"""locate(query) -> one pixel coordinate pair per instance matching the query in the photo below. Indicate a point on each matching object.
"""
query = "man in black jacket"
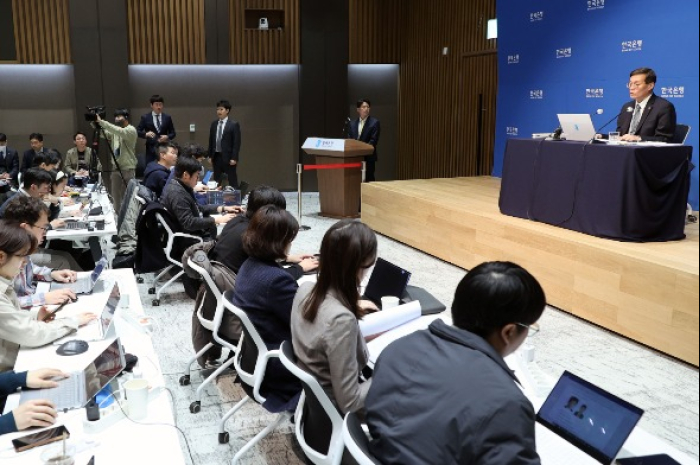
(366, 129)
(225, 144)
(647, 117)
(9, 162)
(36, 141)
(156, 127)
(157, 172)
(178, 198)
(445, 395)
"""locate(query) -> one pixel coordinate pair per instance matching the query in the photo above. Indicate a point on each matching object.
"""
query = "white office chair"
(172, 236)
(251, 346)
(357, 442)
(213, 326)
(315, 415)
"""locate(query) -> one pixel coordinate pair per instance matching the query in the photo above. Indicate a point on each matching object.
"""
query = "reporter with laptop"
(325, 330)
(445, 395)
(33, 328)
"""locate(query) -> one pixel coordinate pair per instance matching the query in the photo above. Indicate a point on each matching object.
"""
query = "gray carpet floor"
(668, 390)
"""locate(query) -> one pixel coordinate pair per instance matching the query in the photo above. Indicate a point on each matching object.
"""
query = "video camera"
(93, 112)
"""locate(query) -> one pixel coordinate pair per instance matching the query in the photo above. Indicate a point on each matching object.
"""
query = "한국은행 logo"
(514, 59)
(318, 143)
(537, 94)
(673, 92)
(536, 16)
(595, 93)
(632, 46)
(511, 131)
(595, 5)
(564, 53)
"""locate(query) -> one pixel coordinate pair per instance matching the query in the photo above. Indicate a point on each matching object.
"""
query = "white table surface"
(108, 214)
(125, 442)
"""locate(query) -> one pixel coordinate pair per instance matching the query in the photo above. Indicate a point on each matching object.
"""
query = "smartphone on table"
(40, 439)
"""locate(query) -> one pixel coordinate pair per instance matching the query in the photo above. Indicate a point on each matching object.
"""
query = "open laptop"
(207, 177)
(86, 282)
(577, 127)
(103, 327)
(581, 423)
(81, 386)
(387, 280)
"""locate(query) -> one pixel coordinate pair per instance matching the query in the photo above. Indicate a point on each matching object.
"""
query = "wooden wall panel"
(166, 32)
(250, 45)
(440, 110)
(42, 31)
(376, 31)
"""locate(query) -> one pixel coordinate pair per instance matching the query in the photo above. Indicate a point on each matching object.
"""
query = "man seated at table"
(47, 161)
(36, 183)
(157, 172)
(229, 248)
(446, 395)
(34, 413)
(32, 216)
(647, 117)
(178, 198)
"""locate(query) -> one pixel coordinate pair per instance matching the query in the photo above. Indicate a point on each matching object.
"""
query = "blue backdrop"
(574, 56)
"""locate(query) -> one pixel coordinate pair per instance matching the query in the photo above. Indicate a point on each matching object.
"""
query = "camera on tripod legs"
(93, 112)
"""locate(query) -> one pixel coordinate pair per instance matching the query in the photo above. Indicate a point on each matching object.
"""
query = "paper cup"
(137, 398)
(390, 302)
(212, 184)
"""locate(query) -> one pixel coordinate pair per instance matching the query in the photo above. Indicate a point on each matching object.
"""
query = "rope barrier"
(331, 167)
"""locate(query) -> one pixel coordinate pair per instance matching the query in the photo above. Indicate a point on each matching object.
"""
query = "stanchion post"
(364, 171)
(300, 172)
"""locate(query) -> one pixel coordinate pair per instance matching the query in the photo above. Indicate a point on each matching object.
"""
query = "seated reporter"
(37, 183)
(31, 215)
(32, 414)
(229, 248)
(157, 172)
(199, 153)
(79, 159)
(178, 197)
(19, 327)
(445, 395)
(265, 292)
(325, 330)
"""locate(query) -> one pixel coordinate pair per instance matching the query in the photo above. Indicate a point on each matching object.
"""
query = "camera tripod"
(97, 133)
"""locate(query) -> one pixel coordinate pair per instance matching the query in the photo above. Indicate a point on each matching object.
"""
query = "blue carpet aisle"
(666, 389)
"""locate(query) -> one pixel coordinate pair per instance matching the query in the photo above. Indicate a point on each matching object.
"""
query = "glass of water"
(614, 136)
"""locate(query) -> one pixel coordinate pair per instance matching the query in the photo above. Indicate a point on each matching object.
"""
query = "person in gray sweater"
(445, 395)
(325, 331)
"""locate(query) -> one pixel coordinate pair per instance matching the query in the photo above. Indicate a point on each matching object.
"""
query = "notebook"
(81, 386)
(387, 280)
(581, 423)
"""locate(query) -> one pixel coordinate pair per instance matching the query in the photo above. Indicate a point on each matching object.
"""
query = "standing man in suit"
(9, 163)
(647, 117)
(225, 144)
(366, 129)
(36, 141)
(156, 127)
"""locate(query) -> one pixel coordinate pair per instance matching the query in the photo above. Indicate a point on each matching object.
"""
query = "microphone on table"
(600, 112)
(556, 135)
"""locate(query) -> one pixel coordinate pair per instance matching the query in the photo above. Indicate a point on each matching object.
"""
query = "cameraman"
(122, 138)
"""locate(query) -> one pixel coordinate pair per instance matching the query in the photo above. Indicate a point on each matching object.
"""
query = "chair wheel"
(185, 380)
(139, 280)
(152, 290)
(156, 302)
(196, 407)
(224, 438)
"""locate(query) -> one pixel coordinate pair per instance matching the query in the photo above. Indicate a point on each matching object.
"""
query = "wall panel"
(166, 32)
(42, 31)
(376, 30)
(277, 45)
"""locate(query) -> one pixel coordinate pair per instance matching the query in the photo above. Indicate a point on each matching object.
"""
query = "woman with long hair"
(325, 330)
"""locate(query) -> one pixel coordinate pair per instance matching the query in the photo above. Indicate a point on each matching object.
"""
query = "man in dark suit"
(647, 117)
(9, 163)
(156, 127)
(36, 141)
(366, 129)
(225, 144)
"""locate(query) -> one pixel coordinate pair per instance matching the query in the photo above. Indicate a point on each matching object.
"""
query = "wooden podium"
(340, 188)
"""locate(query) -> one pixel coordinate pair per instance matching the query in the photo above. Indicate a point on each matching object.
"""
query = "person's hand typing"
(35, 414)
(64, 276)
(299, 258)
(309, 264)
(368, 306)
(223, 219)
(86, 318)
(60, 296)
(44, 378)
(58, 223)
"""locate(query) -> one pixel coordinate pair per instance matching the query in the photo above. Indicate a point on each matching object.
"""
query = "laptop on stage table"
(581, 424)
(577, 127)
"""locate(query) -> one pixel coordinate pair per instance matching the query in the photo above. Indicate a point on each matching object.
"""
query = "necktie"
(360, 128)
(158, 123)
(636, 118)
(219, 134)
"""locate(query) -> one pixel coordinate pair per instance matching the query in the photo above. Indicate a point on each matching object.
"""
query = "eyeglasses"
(44, 228)
(531, 329)
(635, 85)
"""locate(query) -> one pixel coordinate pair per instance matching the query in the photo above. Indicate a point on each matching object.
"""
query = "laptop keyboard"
(76, 225)
(81, 286)
(555, 450)
(67, 395)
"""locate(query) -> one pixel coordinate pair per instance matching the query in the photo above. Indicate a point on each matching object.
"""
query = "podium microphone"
(600, 112)
(346, 126)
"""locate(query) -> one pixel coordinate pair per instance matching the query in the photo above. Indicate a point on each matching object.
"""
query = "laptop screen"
(207, 177)
(107, 316)
(590, 418)
(104, 369)
(387, 280)
(577, 127)
(99, 268)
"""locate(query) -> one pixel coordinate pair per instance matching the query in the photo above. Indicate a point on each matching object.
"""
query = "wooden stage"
(647, 292)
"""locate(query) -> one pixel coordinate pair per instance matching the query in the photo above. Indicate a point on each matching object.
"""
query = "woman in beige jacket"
(19, 327)
(325, 330)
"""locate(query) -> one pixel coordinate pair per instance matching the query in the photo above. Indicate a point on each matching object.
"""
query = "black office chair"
(681, 134)
(356, 441)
